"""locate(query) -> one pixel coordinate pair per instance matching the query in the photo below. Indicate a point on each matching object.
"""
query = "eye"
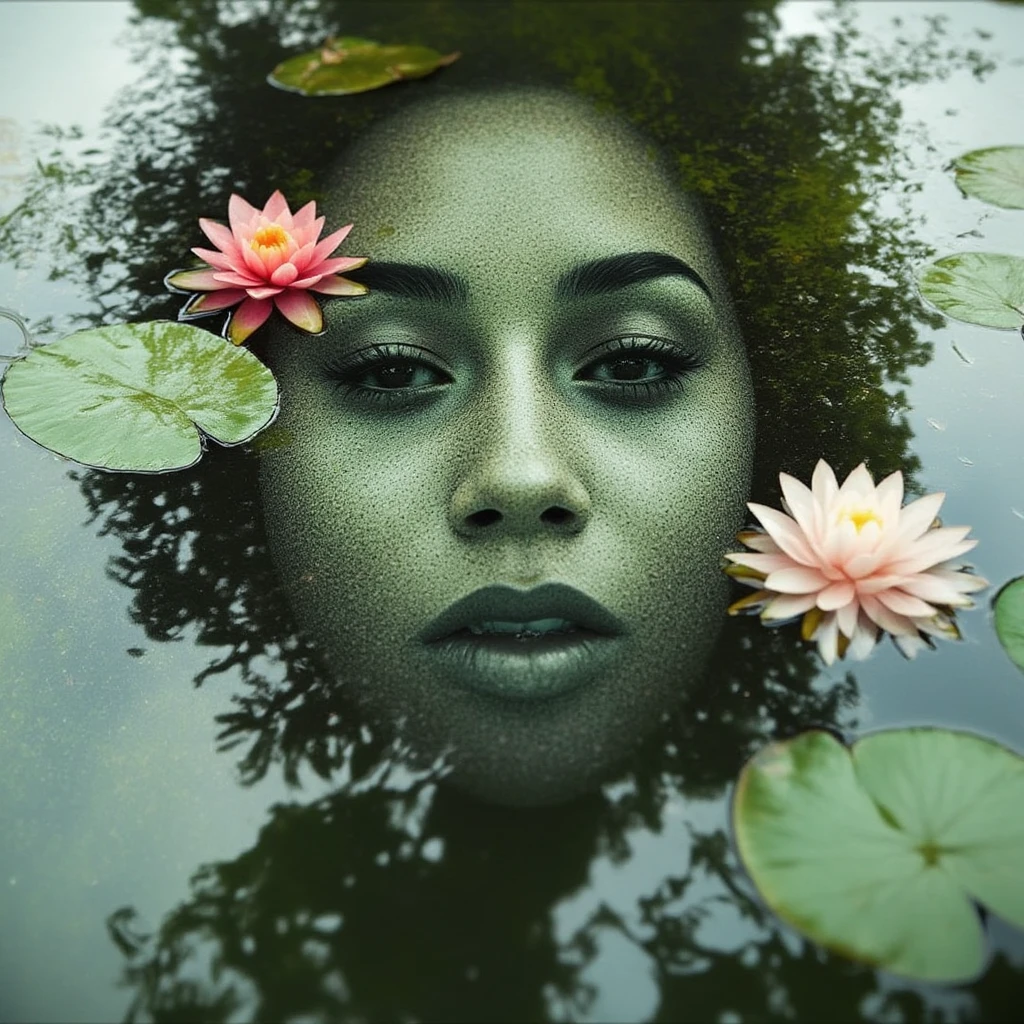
(388, 372)
(638, 366)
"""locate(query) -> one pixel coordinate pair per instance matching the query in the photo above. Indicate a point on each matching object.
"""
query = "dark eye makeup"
(631, 368)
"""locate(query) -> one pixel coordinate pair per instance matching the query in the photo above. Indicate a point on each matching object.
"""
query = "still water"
(197, 825)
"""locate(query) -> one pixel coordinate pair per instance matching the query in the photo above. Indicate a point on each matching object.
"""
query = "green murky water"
(196, 826)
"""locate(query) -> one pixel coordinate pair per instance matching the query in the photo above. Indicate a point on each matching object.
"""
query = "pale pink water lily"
(267, 258)
(854, 564)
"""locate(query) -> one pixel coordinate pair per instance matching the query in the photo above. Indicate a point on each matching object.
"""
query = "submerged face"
(515, 465)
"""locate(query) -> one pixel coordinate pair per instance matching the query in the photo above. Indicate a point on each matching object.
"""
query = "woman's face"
(513, 467)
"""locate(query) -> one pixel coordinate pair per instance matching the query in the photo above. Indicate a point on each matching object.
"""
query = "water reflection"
(394, 896)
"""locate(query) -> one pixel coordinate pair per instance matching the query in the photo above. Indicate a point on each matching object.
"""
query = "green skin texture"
(367, 509)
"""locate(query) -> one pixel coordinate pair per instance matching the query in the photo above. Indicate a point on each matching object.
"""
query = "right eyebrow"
(412, 281)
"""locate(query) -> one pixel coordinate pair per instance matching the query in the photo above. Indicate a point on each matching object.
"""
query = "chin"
(528, 753)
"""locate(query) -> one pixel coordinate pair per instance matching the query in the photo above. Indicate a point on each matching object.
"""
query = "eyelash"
(675, 363)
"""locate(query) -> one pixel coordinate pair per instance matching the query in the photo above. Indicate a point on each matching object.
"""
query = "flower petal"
(194, 280)
(284, 275)
(800, 501)
(762, 563)
(935, 547)
(785, 532)
(930, 587)
(215, 258)
(250, 314)
(847, 617)
(786, 606)
(918, 516)
(758, 541)
(336, 265)
(264, 292)
(835, 596)
(890, 621)
(240, 214)
(221, 237)
(301, 309)
(212, 301)
(330, 243)
(338, 285)
(863, 640)
(802, 580)
(276, 205)
(909, 644)
(307, 234)
(229, 277)
(304, 217)
(827, 637)
(905, 604)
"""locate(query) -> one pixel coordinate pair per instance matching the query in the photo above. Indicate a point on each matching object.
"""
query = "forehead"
(542, 181)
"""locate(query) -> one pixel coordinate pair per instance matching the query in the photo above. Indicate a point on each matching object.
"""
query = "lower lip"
(529, 669)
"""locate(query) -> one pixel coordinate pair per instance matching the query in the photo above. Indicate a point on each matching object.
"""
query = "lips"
(524, 645)
(502, 610)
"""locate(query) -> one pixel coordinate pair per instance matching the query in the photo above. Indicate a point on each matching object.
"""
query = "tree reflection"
(394, 898)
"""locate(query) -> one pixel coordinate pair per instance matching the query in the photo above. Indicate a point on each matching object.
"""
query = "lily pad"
(350, 64)
(880, 851)
(1009, 617)
(984, 288)
(135, 397)
(994, 175)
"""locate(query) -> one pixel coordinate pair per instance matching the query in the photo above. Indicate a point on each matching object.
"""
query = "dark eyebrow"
(595, 277)
(598, 277)
(411, 281)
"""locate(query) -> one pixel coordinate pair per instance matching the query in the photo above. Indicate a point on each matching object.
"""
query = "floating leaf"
(134, 397)
(878, 851)
(984, 288)
(994, 175)
(350, 64)
(1009, 616)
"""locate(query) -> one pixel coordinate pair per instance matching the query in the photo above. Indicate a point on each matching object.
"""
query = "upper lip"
(509, 604)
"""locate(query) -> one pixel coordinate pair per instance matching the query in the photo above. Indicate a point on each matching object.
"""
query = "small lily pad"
(1009, 618)
(134, 397)
(880, 851)
(350, 64)
(985, 288)
(994, 175)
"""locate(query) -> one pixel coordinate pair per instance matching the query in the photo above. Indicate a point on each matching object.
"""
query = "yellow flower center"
(860, 517)
(269, 239)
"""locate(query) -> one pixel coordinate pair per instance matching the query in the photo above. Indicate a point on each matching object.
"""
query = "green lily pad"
(879, 851)
(994, 175)
(984, 288)
(134, 397)
(349, 65)
(1009, 618)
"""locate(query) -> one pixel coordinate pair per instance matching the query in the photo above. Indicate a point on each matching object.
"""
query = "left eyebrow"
(609, 274)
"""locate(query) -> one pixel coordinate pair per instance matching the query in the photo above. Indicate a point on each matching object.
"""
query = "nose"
(520, 478)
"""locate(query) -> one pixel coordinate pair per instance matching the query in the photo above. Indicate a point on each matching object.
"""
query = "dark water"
(245, 848)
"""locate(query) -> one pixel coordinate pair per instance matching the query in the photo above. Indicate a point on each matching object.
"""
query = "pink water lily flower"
(854, 563)
(269, 257)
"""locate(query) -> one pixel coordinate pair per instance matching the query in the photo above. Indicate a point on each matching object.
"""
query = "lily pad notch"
(882, 851)
(139, 397)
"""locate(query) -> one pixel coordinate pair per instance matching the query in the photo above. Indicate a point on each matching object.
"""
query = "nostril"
(557, 516)
(485, 517)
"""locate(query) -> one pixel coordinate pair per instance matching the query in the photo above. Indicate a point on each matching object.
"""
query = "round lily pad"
(135, 397)
(984, 288)
(1009, 619)
(880, 851)
(994, 175)
(350, 64)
